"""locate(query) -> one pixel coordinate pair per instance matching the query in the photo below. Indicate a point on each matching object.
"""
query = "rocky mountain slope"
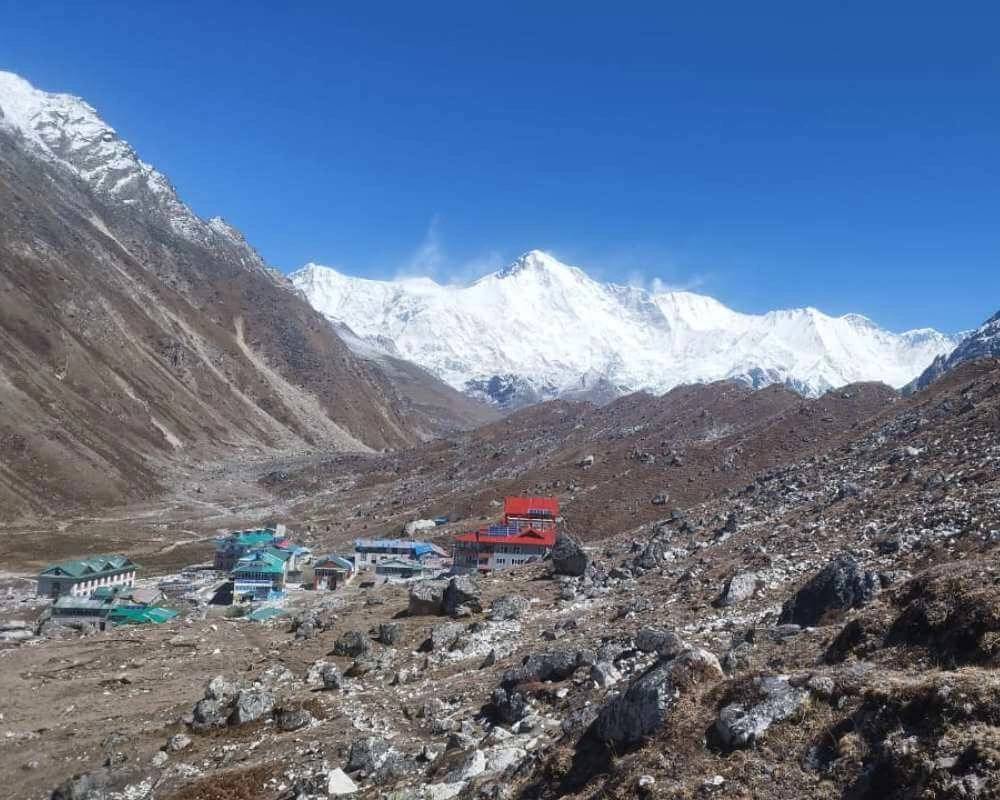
(540, 329)
(135, 335)
(984, 342)
(826, 628)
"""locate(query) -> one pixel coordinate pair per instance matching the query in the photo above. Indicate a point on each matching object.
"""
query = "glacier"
(540, 329)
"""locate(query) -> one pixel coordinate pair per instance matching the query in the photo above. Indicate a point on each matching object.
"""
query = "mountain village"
(256, 573)
(532, 537)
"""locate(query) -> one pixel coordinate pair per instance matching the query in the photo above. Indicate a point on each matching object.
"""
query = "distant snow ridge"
(540, 329)
(66, 130)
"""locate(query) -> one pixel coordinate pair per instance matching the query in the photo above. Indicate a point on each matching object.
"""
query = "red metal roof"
(526, 506)
(529, 536)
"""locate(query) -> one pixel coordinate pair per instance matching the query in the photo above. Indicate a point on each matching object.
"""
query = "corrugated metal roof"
(529, 537)
(420, 548)
(334, 561)
(531, 507)
(85, 567)
(260, 561)
(141, 616)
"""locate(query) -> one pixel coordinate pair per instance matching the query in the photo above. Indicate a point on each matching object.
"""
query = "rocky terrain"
(822, 625)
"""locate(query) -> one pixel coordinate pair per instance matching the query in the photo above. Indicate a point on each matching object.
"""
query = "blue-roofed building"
(369, 553)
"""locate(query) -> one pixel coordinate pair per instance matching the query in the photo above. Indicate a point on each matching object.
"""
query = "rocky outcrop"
(568, 556)
(742, 725)
(461, 597)
(644, 706)
(841, 585)
(426, 598)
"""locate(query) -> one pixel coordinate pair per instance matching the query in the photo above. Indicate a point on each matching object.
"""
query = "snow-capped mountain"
(68, 133)
(539, 329)
(983, 342)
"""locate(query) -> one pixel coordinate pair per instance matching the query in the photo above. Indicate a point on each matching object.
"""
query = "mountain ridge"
(137, 338)
(485, 333)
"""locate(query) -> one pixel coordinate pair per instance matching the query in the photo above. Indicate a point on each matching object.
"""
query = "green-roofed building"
(260, 575)
(83, 576)
(233, 546)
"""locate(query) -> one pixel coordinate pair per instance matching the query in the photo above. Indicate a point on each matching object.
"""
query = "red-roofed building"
(537, 513)
(527, 534)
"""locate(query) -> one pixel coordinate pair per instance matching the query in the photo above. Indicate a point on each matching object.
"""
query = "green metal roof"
(260, 561)
(88, 567)
(141, 616)
(277, 552)
(265, 613)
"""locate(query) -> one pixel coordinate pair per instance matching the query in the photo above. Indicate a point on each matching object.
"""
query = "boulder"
(339, 783)
(666, 644)
(88, 786)
(645, 705)
(390, 633)
(508, 607)
(738, 588)
(426, 598)
(251, 705)
(220, 689)
(509, 706)
(568, 556)
(352, 644)
(209, 714)
(330, 677)
(605, 674)
(178, 742)
(742, 726)
(841, 585)
(444, 636)
(462, 591)
(367, 754)
(314, 675)
(555, 665)
(292, 719)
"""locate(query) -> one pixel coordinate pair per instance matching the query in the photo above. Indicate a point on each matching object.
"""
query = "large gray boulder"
(666, 644)
(840, 585)
(738, 588)
(568, 556)
(555, 665)
(742, 726)
(509, 705)
(390, 633)
(462, 593)
(209, 713)
(352, 644)
(89, 786)
(508, 607)
(644, 706)
(426, 598)
(251, 705)
(444, 636)
(367, 754)
(330, 677)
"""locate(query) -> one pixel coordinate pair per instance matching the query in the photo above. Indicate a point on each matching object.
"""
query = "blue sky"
(844, 155)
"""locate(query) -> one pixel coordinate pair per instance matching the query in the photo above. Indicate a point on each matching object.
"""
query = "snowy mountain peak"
(539, 328)
(67, 131)
(536, 261)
